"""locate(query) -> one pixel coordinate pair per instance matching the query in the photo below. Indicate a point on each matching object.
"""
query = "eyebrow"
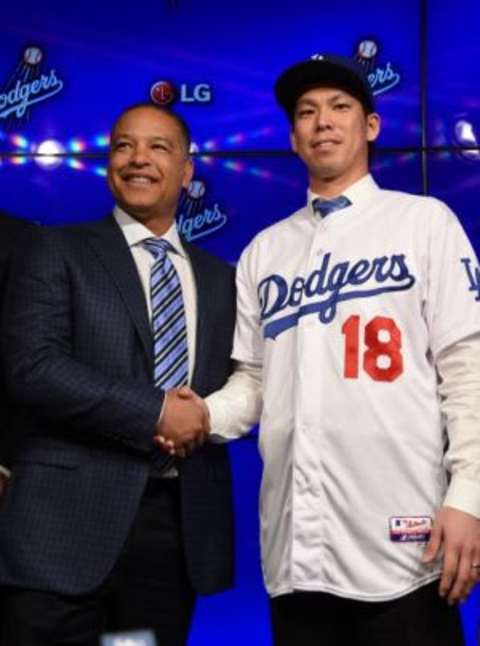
(126, 135)
(331, 99)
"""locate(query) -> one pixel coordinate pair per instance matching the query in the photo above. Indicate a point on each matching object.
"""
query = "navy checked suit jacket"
(79, 359)
(14, 235)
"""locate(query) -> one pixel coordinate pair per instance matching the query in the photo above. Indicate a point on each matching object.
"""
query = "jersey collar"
(362, 190)
(135, 232)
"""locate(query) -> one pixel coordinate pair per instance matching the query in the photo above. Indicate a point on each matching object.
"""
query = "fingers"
(475, 571)
(186, 393)
(183, 416)
(464, 580)
(468, 575)
(449, 573)
(183, 424)
(179, 450)
(432, 549)
(167, 446)
(460, 541)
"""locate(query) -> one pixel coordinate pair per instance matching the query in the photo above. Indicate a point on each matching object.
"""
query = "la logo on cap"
(317, 57)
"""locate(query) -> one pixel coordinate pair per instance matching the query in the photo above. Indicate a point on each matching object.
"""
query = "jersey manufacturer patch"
(410, 529)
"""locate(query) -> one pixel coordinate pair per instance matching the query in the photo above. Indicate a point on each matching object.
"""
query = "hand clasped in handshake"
(184, 423)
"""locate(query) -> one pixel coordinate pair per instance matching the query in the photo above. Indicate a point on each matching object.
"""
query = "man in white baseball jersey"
(360, 315)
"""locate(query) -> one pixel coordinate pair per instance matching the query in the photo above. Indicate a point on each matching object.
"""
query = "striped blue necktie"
(325, 207)
(169, 328)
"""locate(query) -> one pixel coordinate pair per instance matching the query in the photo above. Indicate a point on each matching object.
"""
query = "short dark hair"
(180, 121)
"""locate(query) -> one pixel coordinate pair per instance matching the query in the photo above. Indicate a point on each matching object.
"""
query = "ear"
(293, 140)
(187, 172)
(373, 126)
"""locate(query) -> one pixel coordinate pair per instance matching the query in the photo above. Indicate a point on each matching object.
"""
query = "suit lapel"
(111, 247)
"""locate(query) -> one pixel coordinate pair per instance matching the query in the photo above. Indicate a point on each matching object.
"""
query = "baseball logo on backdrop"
(32, 55)
(27, 86)
(382, 77)
(367, 49)
(195, 219)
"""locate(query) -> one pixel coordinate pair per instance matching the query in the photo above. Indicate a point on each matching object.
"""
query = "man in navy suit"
(99, 531)
(14, 233)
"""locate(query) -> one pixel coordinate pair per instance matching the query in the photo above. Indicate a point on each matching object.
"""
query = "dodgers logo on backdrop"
(382, 77)
(27, 86)
(340, 281)
(473, 275)
(195, 219)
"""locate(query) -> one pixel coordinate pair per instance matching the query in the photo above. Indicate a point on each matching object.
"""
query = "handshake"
(183, 424)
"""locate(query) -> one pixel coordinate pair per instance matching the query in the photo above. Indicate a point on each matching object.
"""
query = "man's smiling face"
(331, 133)
(148, 166)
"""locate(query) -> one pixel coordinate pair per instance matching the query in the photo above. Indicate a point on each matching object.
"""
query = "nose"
(139, 156)
(323, 118)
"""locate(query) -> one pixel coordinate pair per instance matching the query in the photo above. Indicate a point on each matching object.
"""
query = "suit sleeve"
(45, 372)
(15, 235)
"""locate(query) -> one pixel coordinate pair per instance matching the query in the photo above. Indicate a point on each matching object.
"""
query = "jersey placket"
(308, 511)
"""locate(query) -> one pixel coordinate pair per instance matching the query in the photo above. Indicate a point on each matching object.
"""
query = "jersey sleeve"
(452, 297)
(237, 406)
(248, 340)
(459, 388)
(452, 308)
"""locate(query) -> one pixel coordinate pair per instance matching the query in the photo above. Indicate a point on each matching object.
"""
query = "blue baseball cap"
(323, 69)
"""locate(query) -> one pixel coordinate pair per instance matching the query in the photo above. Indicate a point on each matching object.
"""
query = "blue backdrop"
(67, 70)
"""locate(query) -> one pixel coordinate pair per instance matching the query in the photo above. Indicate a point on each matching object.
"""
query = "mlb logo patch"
(410, 529)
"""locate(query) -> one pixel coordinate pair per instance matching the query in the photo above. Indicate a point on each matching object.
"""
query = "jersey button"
(301, 481)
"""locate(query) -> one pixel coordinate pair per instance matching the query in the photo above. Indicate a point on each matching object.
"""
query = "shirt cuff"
(237, 406)
(463, 494)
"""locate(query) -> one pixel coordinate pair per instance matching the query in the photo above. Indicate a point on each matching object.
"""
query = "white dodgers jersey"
(347, 315)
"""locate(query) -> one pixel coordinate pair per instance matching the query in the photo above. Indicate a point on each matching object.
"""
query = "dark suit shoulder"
(10, 224)
(80, 228)
(75, 237)
(14, 231)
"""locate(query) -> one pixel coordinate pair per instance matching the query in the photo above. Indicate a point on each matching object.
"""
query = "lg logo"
(164, 92)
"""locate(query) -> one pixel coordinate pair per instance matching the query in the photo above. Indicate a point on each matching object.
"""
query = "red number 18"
(375, 348)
